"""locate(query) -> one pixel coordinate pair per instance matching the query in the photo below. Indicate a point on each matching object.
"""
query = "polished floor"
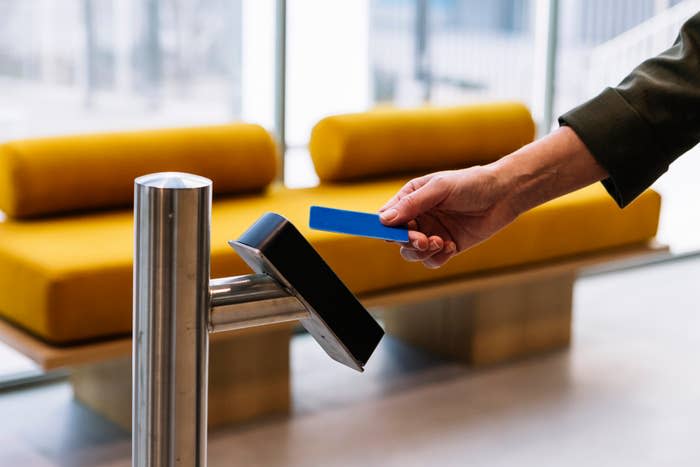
(626, 394)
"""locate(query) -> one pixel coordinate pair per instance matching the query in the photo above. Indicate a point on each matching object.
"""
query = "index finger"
(407, 189)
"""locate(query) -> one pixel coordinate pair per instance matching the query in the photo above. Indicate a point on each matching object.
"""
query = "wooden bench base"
(490, 325)
(248, 378)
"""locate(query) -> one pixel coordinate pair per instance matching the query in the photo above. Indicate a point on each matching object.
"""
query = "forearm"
(548, 168)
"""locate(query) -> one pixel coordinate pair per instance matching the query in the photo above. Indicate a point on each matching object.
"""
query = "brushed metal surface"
(251, 300)
(171, 303)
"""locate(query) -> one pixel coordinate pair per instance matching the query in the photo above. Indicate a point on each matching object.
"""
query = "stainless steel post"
(171, 306)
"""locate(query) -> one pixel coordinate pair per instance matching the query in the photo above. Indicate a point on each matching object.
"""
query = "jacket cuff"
(621, 141)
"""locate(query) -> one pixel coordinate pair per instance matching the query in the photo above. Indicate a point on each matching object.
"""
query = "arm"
(638, 128)
(548, 168)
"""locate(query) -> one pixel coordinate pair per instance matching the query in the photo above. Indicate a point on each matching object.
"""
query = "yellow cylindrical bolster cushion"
(383, 142)
(51, 175)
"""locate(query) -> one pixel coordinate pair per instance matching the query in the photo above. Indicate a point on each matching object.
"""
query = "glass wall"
(86, 65)
(450, 51)
(71, 66)
(327, 72)
(350, 56)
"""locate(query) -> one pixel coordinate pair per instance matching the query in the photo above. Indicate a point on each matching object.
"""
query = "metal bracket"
(252, 300)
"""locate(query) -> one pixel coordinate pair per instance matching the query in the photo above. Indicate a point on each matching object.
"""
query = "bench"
(66, 254)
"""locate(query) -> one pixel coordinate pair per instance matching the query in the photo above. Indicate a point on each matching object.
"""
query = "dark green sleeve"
(638, 128)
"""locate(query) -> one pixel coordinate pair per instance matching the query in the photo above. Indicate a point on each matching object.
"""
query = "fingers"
(416, 256)
(420, 247)
(418, 240)
(407, 189)
(414, 203)
(441, 257)
(432, 251)
(413, 235)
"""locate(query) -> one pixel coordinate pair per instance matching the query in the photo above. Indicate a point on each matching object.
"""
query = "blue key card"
(354, 223)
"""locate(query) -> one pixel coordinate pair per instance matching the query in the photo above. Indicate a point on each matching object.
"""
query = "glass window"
(600, 42)
(350, 56)
(86, 65)
(449, 52)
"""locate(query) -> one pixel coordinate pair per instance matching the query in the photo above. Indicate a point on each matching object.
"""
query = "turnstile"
(176, 305)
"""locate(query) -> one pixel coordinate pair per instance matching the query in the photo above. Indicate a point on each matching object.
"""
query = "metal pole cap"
(173, 180)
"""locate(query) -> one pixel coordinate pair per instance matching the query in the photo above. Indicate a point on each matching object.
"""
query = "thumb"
(415, 203)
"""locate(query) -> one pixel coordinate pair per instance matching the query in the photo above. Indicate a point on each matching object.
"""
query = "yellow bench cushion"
(69, 279)
(70, 173)
(390, 141)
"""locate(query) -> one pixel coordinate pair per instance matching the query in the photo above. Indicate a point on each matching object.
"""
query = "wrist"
(545, 169)
(516, 179)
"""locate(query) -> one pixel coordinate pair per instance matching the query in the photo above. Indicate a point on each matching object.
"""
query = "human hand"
(449, 212)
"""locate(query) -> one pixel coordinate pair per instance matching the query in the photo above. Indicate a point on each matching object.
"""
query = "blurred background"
(69, 66)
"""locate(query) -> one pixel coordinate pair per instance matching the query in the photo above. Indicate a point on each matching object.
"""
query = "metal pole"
(281, 79)
(423, 71)
(551, 63)
(545, 62)
(171, 305)
(153, 55)
(236, 18)
(90, 52)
